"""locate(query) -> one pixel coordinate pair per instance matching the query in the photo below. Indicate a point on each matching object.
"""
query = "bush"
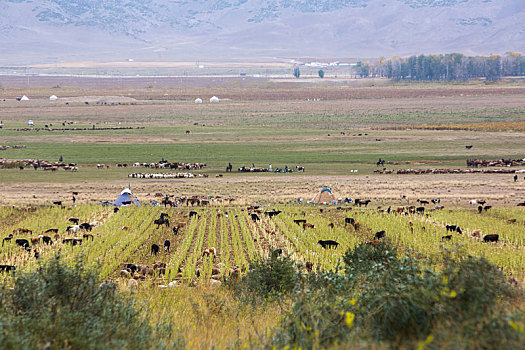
(479, 287)
(317, 318)
(363, 257)
(267, 278)
(60, 307)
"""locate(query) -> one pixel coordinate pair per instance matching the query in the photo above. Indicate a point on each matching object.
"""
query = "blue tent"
(126, 198)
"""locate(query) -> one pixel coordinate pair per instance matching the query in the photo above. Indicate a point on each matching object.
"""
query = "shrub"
(478, 286)
(361, 259)
(60, 306)
(318, 316)
(271, 277)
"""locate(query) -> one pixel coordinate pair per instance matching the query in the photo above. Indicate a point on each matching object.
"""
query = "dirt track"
(453, 189)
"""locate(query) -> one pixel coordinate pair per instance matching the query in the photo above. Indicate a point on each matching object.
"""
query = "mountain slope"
(54, 30)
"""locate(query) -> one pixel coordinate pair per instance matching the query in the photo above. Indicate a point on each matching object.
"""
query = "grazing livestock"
(420, 210)
(453, 228)
(175, 230)
(115, 210)
(300, 221)
(522, 204)
(328, 243)
(307, 225)
(350, 221)
(422, 202)
(255, 217)
(74, 220)
(480, 208)
(22, 230)
(209, 251)
(447, 238)
(72, 241)
(491, 238)
(181, 224)
(124, 273)
(8, 239)
(22, 242)
(87, 236)
(86, 226)
(272, 213)
(331, 225)
(131, 267)
(476, 234)
(52, 230)
(309, 266)
(487, 207)
(380, 234)
(192, 214)
(482, 202)
(162, 221)
(73, 228)
(35, 241)
(47, 240)
(126, 228)
(7, 268)
(276, 253)
(155, 249)
(167, 245)
(361, 202)
(36, 254)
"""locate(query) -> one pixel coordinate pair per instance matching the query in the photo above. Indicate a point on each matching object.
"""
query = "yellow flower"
(349, 319)
(424, 343)
(445, 280)
(517, 326)
(353, 301)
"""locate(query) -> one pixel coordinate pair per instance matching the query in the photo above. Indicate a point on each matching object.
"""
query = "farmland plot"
(127, 236)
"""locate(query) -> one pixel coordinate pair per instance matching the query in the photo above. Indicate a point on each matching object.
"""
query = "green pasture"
(216, 146)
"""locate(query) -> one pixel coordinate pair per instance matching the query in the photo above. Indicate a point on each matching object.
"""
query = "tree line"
(448, 67)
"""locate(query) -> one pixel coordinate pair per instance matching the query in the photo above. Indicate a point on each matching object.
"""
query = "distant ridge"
(75, 30)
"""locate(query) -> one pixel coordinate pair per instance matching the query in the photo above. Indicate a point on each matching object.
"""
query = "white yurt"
(214, 99)
(24, 98)
(30, 123)
(53, 98)
(198, 101)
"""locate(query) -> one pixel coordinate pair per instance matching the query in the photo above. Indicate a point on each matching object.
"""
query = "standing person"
(74, 199)
(61, 159)
(515, 178)
(270, 168)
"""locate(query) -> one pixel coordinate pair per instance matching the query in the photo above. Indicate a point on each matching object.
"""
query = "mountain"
(43, 31)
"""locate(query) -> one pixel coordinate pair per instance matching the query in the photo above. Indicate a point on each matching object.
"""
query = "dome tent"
(214, 99)
(126, 198)
(325, 196)
(198, 100)
(53, 98)
(24, 98)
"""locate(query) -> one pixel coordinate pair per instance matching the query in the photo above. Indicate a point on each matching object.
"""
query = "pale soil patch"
(453, 189)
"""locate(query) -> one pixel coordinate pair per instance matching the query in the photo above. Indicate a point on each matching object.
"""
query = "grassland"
(259, 122)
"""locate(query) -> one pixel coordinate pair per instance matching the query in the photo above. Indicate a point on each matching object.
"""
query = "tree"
(321, 73)
(296, 72)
